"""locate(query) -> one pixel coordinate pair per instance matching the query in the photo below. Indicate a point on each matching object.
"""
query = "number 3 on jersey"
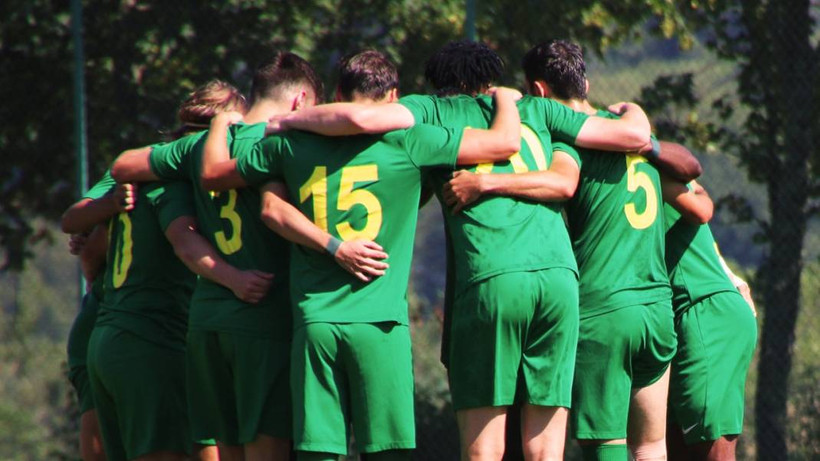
(228, 212)
(635, 180)
(316, 187)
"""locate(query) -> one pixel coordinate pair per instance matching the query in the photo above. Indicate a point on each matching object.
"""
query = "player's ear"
(299, 101)
(586, 86)
(392, 95)
(541, 89)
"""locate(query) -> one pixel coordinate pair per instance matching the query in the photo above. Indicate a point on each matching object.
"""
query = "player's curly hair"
(367, 72)
(203, 103)
(463, 67)
(559, 64)
(281, 71)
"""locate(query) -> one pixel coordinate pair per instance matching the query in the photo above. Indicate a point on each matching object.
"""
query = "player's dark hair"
(463, 67)
(369, 73)
(203, 103)
(281, 71)
(560, 64)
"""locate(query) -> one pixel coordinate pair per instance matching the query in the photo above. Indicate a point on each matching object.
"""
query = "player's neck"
(579, 105)
(262, 111)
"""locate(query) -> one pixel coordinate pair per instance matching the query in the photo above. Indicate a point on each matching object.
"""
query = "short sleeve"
(562, 122)
(264, 162)
(102, 187)
(170, 201)
(433, 146)
(567, 149)
(422, 107)
(170, 161)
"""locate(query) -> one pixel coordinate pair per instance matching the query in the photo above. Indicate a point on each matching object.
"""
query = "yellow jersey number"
(228, 212)
(124, 254)
(532, 141)
(635, 180)
(316, 188)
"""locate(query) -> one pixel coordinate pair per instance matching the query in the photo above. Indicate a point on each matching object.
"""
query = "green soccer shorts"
(618, 351)
(139, 392)
(238, 387)
(358, 374)
(716, 340)
(77, 349)
(515, 334)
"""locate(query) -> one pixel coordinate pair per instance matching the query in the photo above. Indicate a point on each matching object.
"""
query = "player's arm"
(673, 160)
(628, 133)
(558, 183)
(346, 118)
(501, 140)
(362, 258)
(693, 204)
(219, 171)
(740, 284)
(134, 165)
(201, 258)
(92, 255)
(87, 213)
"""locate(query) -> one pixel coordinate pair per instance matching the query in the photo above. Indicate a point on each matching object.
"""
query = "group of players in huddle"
(579, 267)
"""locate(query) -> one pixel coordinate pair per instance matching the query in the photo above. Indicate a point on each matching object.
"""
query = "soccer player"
(351, 351)
(716, 332)
(95, 208)
(537, 346)
(626, 337)
(238, 353)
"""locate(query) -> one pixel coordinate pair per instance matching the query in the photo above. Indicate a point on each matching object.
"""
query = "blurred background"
(734, 80)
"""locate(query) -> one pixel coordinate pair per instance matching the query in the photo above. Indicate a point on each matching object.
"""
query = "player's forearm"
(500, 141)
(87, 213)
(694, 205)
(541, 186)
(218, 168)
(202, 259)
(92, 256)
(347, 118)
(629, 133)
(287, 221)
(133, 165)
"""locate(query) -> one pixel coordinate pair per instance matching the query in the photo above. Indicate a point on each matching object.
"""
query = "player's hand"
(504, 92)
(125, 197)
(276, 124)
(746, 292)
(76, 243)
(464, 189)
(226, 118)
(251, 285)
(362, 258)
(619, 108)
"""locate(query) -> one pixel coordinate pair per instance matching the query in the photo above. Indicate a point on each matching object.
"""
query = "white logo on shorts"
(689, 429)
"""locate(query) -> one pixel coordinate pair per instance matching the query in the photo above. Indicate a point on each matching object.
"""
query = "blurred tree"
(142, 56)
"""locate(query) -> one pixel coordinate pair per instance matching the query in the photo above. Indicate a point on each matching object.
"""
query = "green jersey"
(147, 288)
(357, 187)
(230, 222)
(616, 225)
(693, 263)
(499, 234)
(77, 347)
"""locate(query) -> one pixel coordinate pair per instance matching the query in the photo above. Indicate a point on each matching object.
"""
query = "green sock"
(605, 452)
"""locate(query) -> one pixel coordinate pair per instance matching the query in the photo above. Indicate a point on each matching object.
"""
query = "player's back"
(499, 234)
(358, 187)
(230, 222)
(147, 288)
(692, 259)
(616, 226)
